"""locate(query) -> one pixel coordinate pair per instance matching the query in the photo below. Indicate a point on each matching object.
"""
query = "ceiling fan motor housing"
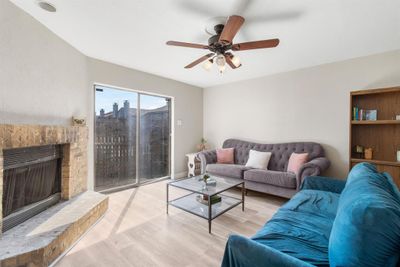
(214, 44)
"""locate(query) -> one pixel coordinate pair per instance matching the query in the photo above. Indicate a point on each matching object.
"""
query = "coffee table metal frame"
(229, 201)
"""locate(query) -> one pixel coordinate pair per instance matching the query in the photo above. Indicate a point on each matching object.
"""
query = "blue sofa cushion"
(243, 252)
(301, 228)
(366, 231)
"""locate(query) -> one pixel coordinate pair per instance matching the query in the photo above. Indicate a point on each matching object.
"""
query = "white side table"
(193, 164)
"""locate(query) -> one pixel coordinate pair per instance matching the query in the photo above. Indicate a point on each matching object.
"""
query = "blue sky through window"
(109, 96)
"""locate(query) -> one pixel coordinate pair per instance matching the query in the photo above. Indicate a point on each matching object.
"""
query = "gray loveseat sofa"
(275, 180)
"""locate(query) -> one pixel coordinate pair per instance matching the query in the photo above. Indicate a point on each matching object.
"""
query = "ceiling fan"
(221, 46)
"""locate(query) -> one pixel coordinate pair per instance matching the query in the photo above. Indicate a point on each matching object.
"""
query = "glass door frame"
(171, 137)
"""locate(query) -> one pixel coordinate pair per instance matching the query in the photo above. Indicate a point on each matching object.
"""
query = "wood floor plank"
(136, 231)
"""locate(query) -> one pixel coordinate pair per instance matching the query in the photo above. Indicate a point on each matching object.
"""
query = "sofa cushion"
(314, 202)
(301, 228)
(366, 231)
(225, 155)
(296, 160)
(226, 170)
(282, 179)
(258, 160)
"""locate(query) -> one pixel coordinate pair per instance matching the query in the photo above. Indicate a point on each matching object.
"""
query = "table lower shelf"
(190, 204)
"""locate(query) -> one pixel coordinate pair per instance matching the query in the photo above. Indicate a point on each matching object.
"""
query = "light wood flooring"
(136, 231)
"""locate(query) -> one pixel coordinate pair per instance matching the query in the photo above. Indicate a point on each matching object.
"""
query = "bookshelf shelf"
(384, 162)
(377, 122)
(382, 135)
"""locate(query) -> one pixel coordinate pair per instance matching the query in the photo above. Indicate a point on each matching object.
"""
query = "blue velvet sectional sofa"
(328, 223)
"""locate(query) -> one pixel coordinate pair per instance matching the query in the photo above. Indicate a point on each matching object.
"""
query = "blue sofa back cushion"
(366, 230)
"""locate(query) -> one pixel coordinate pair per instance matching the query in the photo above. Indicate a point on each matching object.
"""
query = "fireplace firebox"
(31, 182)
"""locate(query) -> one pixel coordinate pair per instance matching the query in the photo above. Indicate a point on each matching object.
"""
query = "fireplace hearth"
(31, 182)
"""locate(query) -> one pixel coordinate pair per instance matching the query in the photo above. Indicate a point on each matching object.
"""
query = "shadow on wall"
(383, 82)
(15, 118)
(339, 165)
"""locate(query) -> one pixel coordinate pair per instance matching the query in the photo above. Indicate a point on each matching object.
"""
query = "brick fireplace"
(73, 142)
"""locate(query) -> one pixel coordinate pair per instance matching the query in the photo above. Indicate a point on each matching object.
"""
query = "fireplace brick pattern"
(74, 140)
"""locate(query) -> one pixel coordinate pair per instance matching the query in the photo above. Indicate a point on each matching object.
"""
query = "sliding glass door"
(154, 137)
(128, 150)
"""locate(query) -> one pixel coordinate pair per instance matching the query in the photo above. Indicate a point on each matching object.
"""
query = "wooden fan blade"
(231, 28)
(175, 43)
(228, 59)
(198, 61)
(256, 45)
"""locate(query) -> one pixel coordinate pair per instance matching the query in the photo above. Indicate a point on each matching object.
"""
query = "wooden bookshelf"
(382, 135)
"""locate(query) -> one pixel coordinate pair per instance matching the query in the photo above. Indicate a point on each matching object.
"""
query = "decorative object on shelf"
(397, 117)
(398, 155)
(371, 115)
(359, 151)
(78, 121)
(193, 164)
(203, 145)
(368, 153)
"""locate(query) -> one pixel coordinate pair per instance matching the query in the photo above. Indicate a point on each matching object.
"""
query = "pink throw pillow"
(296, 161)
(225, 155)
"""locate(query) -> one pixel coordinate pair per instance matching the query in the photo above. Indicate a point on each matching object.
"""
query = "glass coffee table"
(208, 211)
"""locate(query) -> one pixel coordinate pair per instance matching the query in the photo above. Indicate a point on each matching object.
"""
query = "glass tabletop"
(196, 184)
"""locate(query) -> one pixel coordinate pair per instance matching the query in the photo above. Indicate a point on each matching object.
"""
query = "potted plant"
(203, 145)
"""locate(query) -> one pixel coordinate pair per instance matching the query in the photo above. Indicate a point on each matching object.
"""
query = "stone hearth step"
(41, 239)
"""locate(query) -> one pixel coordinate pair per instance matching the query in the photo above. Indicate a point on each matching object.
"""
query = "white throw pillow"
(258, 160)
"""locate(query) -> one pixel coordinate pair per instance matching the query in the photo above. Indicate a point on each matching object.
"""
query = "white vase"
(398, 155)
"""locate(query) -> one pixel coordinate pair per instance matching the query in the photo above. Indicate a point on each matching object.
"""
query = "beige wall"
(43, 80)
(305, 105)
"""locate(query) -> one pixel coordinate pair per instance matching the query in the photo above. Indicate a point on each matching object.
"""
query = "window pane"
(154, 149)
(115, 141)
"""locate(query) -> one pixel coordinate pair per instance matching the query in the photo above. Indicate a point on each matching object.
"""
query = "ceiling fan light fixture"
(220, 60)
(221, 68)
(207, 65)
(236, 61)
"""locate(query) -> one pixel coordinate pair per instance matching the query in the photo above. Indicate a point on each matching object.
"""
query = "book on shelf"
(203, 199)
(364, 114)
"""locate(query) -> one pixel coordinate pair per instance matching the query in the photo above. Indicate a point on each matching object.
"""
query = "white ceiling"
(133, 33)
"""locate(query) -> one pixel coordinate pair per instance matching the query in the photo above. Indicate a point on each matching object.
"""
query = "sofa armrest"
(312, 168)
(244, 252)
(323, 184)
(207, 157)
